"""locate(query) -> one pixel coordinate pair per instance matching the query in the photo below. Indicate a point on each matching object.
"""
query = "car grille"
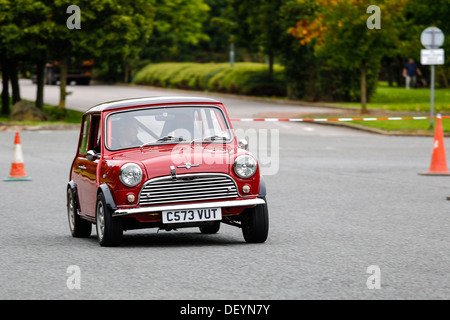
(187, 188)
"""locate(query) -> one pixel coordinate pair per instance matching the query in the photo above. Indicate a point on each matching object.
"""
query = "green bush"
(243, 78)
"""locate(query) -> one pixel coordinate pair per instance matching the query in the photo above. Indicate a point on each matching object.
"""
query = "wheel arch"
(110, 203)
(262, 187)
(73, 188)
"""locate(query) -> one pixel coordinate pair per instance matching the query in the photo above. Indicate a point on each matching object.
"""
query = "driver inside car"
(182, 126)
(127, 133)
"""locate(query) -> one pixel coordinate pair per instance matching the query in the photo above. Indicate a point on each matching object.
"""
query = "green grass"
(67, 116)
(405, 126)
(56, 115)
(399, 99)
(407, 102)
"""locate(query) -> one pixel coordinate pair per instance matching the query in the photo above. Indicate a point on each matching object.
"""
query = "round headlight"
(245, 166)
(130, 174)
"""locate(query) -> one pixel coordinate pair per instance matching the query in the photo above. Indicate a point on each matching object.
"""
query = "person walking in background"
(410, 72)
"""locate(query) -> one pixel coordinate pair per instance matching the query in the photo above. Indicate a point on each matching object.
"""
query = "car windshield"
(168, 125)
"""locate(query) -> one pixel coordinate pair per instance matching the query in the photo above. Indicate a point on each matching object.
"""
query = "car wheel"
(255, 223)
(210, 228)
(109, 229)
(79, 227)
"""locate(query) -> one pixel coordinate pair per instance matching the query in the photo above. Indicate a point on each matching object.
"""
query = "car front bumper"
(201, 205)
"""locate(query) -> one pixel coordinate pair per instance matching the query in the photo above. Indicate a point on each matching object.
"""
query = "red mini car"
(167, 163)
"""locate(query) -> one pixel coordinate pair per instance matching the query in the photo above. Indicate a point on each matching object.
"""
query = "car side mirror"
(243, 144)
(91, 155)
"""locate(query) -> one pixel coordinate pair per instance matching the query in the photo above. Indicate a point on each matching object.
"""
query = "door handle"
(82, 167)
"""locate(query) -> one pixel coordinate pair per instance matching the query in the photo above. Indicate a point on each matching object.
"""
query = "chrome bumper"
(202, 205)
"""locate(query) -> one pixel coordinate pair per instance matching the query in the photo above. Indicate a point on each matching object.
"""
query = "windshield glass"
(169, 125)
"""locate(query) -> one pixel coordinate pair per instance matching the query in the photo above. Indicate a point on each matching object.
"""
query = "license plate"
(192, 215)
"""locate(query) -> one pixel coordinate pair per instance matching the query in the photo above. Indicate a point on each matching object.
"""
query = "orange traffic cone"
(17, 167)
(438, 166)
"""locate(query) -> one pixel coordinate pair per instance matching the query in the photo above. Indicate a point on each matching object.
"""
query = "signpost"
(432, 38)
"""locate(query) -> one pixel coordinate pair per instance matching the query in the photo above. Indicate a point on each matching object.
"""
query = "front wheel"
(255, 223)
(109, 229)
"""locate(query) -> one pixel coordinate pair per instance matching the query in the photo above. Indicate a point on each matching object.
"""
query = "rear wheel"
(255, 223)
(109, 229)
(79, 227)
(210, 228)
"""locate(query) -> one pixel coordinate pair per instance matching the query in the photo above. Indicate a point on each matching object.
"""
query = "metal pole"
(232, 54)
(432, 98)
(432, 86)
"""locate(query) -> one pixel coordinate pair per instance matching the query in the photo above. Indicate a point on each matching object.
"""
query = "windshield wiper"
(211, 138)
(165, 138)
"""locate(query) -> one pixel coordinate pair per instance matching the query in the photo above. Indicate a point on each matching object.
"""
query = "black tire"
(109, 229)
(210, 228)
(255, 223)
(79, 227)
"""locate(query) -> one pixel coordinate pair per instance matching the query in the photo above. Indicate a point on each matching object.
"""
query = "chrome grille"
(187, 188)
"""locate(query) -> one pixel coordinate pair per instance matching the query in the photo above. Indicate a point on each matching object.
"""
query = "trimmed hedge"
(243, 78)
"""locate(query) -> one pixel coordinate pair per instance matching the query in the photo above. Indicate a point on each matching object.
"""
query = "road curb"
(4, 126)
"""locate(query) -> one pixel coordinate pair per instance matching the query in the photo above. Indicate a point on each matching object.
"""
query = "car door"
(85, 171)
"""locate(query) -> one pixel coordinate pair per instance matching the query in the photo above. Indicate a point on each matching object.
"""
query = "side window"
(84, 138)
(91, 134)
(95, 134)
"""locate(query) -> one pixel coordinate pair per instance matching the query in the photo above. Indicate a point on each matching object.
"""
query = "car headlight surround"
(130, 174)
(245, 166)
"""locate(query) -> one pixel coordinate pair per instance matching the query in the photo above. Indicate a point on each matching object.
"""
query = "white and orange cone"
(438, 166)
(18, 166)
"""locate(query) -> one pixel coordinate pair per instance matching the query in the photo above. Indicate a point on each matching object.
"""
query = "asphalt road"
(341, 201)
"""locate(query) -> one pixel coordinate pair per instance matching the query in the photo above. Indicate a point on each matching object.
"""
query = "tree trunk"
(40, 70)
(390, 72)
(398, 68)
(271, 62)
(14, 77)
(63, 83)
(363, 88)
(126, 73)
(5, 90)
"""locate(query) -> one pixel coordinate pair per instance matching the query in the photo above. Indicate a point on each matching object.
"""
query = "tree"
(301, 67)
(257, 26)
(177, 30)
(341, 36)
(215, 46)
(38, 31)
(112, 31)
(24, 31)
(178, 25)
